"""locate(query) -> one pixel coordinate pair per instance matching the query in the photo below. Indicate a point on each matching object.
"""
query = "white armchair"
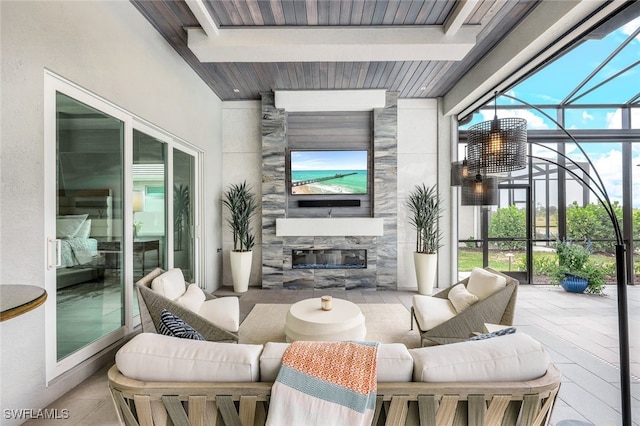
(216, 319)
(460, 311)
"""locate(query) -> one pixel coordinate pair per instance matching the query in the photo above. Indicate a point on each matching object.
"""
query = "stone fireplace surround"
(381, 271)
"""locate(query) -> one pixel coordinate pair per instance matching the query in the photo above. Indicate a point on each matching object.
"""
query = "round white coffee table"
(307, 321)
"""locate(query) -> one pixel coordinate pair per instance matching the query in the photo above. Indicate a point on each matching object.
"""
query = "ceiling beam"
(544, 32)
(329, 100)
(457, 17)
(203, 17)
(426, 43)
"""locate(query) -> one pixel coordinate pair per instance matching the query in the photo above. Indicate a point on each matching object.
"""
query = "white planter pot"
(241, 270)
(426, 265)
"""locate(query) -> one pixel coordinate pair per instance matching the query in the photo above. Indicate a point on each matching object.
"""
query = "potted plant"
(425, 206)
(574, 271)
(242, 207)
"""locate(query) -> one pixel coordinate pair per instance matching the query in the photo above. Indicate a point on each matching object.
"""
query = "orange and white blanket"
(325, 383)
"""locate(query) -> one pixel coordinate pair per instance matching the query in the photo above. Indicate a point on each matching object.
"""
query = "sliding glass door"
(184, 191)
(149, 178)
(122, 199)
(89, 233)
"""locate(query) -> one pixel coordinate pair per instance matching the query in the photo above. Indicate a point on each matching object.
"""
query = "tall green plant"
(181, 213)
(242, 206)
(425, 205)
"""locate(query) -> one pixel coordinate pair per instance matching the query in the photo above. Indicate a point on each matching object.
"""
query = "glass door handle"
(54, 253)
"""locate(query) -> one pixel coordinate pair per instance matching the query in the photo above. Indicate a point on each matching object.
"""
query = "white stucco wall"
(108, 48)
(420, 159)
(418, 162)
(242, 160)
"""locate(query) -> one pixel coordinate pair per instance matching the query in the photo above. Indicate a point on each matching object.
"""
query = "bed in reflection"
(84, 218)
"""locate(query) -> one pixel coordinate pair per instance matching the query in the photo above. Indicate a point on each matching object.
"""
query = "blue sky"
(329, 160)
(557, 80)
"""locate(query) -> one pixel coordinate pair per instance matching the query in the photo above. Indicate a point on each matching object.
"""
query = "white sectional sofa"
(505, 380)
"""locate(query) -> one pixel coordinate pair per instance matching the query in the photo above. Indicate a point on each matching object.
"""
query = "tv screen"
(329, 172)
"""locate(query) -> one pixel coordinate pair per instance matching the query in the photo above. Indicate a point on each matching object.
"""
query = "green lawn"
(470, 258)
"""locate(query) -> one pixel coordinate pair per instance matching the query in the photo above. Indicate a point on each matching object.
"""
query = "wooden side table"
(19, 299)
(145, 246)
(139, 247)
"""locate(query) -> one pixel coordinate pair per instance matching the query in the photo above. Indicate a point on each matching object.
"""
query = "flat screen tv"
(326, 172)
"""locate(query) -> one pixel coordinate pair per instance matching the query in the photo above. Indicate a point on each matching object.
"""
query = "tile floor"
(580, 332)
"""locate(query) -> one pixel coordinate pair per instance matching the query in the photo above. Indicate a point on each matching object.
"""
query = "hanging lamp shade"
(497, 146)
(459, 171)
(479, 191)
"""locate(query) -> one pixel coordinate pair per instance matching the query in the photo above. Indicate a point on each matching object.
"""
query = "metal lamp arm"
(608, 207)
(601, 189)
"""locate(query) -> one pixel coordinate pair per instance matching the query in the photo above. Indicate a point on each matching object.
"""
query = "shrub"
(573, 259)
(508, 222)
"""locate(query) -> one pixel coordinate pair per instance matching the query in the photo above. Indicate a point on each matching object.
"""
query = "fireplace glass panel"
(329, 259)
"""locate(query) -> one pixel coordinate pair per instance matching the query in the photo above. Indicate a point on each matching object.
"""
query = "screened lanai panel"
(593, 92)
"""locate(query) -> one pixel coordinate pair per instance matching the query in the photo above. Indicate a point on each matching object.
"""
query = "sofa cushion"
(174, 326)
(193, 298)
(223, 312)
(170, 284)
(432, 311)
(484, 283)
(514, 357)
(461, 298)
(395, 364)
(271, 359)
(154, 357)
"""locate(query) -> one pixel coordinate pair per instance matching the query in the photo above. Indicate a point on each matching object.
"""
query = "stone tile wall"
(381, 272)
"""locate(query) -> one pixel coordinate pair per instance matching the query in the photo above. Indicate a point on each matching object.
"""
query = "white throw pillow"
(85, 229)
(432, 311)
(156, 357)
(461, 298)
(395, 363)
(514, 357)
(193, 298)
(483, 283)
(69, 225)
(223, 312)
(170, 284)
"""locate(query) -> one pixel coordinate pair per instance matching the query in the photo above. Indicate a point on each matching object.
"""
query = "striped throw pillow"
(171, 325)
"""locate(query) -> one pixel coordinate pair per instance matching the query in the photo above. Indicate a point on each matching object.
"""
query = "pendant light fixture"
(499, 145)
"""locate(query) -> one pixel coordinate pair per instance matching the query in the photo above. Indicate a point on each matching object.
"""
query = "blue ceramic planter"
(574, 284)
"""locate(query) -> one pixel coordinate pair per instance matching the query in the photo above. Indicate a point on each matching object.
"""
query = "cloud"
(586, 116)
(630, 27)
(534, 121)
(635, 118)
(614, 119)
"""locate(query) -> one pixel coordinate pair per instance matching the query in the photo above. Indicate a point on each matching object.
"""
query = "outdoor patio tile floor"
(579, 330)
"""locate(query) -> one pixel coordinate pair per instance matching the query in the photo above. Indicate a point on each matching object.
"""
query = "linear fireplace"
(329, 259)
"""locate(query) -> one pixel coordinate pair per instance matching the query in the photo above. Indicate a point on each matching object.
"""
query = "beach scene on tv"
(328, 172)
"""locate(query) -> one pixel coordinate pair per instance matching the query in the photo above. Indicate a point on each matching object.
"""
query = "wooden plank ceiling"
(410, 79)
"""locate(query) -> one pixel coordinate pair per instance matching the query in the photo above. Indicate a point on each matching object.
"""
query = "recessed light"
(236, 90)
(423, 88)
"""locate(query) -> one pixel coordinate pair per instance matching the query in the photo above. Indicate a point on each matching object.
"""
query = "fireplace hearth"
(329, 259)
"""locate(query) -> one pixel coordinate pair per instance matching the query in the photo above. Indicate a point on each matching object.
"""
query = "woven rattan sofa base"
(413, 403)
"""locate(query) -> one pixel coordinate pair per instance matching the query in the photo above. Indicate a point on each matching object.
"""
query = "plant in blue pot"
(575, 271)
